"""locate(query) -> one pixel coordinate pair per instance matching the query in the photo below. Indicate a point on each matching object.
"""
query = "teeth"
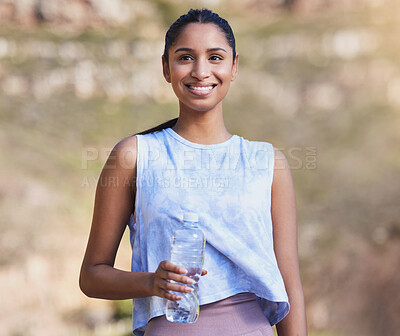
(201, 88)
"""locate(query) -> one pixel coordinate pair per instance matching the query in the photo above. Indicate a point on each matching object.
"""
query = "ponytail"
(167, 124)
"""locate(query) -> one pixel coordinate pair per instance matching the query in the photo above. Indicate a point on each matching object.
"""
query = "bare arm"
(114, 203)
(283, 209)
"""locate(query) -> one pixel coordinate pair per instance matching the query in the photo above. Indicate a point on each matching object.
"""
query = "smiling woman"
(249, 219)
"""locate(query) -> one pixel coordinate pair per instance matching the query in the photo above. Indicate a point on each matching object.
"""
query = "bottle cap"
(190, 217)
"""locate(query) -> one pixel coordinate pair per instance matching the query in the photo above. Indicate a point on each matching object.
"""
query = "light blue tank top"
(229, 186)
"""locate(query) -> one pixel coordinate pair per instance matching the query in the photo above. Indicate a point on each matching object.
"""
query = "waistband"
(237, 298)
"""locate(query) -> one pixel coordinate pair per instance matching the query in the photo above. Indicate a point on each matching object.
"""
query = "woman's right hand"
(166, 272)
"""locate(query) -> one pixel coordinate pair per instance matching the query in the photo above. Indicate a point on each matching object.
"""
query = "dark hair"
(193, 16)
(167, 124)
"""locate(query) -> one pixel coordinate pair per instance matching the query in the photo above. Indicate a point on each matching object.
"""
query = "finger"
(169, 266)
(165, 285)
(164, 293)
(165, 290)
(178, 288)
(176, 277)
(172, 297)
(167, 275)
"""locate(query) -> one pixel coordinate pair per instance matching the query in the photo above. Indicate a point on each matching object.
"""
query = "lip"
(198, 92)
(202, 84)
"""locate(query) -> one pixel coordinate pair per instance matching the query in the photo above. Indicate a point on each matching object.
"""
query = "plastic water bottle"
(187, 251)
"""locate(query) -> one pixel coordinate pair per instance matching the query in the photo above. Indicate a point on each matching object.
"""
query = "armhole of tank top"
(271, 159)
(138, 176)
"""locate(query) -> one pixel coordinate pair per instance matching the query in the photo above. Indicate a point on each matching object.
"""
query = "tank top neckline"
(186, 142)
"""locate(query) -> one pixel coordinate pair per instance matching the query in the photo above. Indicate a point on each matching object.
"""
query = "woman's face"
(200, 67)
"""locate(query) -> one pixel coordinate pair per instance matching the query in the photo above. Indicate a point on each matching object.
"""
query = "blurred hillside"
(318, 79)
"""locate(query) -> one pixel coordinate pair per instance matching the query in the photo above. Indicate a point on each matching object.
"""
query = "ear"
(166, 72)
(235, 68)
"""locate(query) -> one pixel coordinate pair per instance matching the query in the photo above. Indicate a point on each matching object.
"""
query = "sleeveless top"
(228, 185)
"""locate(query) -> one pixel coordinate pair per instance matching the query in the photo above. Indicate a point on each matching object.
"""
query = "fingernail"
(190, 289)
(191, 281)
(182, 270)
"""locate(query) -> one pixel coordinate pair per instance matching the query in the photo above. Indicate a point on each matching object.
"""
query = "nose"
(201, 69)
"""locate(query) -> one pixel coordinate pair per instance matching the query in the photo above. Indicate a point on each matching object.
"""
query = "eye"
(216, 58)
(185, 58)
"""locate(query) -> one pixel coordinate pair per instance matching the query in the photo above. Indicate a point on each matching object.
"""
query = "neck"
(202, 127)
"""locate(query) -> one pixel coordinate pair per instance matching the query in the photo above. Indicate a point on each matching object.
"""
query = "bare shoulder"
(124, 153)
(282, 176)
(280, 160)
(128, 143)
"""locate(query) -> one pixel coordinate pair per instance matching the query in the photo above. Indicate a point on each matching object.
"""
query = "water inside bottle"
(183, 311)
(187, 309)
(187, 251)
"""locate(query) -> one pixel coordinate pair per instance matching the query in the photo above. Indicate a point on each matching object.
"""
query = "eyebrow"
(192, 50)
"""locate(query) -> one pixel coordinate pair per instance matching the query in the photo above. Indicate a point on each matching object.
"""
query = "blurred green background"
(318, 79)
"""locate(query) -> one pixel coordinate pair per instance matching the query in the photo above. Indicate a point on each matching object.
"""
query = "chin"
(202, 108)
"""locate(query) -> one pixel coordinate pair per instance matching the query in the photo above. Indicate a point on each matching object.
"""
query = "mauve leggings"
(238, 315)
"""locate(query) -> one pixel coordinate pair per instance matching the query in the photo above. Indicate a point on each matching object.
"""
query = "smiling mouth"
(200, 90)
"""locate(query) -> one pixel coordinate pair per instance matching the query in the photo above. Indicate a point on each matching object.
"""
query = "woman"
(242, 191)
